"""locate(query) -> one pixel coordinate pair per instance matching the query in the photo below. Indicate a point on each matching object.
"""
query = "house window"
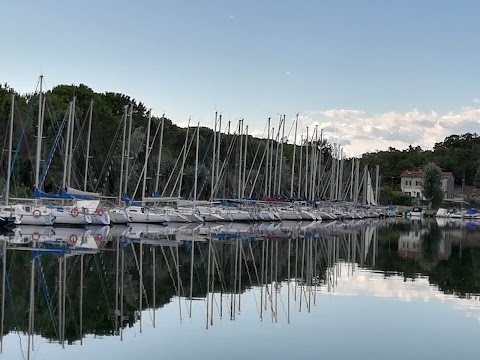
(416, 183)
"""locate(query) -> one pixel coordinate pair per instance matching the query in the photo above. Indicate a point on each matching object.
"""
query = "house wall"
(412, 186)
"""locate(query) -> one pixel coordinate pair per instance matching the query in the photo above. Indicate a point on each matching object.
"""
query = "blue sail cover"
(129, 201)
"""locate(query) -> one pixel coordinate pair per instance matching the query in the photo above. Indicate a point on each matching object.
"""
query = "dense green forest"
(456, 153)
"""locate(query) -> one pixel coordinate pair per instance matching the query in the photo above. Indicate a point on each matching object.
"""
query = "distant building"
(412, 184)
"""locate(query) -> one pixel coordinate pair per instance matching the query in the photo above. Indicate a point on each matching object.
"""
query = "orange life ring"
(36, 213)
(73, 239)
(100, 211)
(74, 212)
(35, 236)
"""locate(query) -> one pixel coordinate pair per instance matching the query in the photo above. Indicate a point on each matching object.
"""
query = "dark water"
(386, 289)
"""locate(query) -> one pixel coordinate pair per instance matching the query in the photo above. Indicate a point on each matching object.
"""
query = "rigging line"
(144, 290)
(220, 273)
(290, 131)
(47, 164)
(113, 145)
(147, 155)
(256, 154)
(181, 173)
(104, 288)
(227, 159)
(215, 262)
(44, 285)
(169, 270)
(249, 277)
(80, 129)
(4, 150)
(22, 136)
(177, 266)
(203, 261)
(12, 302)
(199, 168)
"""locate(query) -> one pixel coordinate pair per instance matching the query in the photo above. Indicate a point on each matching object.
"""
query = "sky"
(371, 73)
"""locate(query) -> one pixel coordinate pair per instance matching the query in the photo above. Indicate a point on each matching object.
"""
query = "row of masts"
(319, 176)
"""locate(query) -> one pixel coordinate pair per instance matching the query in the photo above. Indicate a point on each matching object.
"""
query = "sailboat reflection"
(101, 281)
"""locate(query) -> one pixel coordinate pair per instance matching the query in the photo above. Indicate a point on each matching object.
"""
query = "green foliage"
(432, 184)
(476, 179)
(392, 196)
(457, 153)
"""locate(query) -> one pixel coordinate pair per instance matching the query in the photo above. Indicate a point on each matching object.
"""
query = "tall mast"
(281, 158)
(10, 145)
(127, 155)
(212, 185)
(39, 135)
(67, 146)
(351, 179)
(87, 158)
(240, 133)
(272, 144)
(147, 155)
(266, 162)
(184, 159)
(245, 161)
(157, 180)
(293, 161)
(276, 157)
(299, 195)
(306, 168)
(314, 164)
(320, 161)
(120, 188)
(218, 150)
(70, 155)
(196, 162)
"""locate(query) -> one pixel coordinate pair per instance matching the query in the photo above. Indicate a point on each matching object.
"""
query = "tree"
(476, 179)
(432, 184)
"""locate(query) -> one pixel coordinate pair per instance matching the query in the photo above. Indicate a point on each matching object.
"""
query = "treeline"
(457, 153)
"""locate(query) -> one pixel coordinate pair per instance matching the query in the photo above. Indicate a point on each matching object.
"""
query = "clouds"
(359, 131)
(395, 287)
(362, 132)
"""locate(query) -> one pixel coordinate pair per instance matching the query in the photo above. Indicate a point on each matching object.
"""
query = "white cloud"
(362, 132)
(394, 287)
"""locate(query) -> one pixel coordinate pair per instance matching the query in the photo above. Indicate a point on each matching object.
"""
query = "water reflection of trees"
(105, 307)
(456, 273)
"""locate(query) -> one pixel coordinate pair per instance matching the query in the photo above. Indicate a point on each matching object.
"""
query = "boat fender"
(73, 239)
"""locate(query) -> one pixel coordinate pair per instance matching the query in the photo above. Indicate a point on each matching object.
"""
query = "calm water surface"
(390, 289)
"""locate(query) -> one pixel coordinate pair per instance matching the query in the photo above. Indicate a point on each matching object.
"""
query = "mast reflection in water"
(62, 286)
